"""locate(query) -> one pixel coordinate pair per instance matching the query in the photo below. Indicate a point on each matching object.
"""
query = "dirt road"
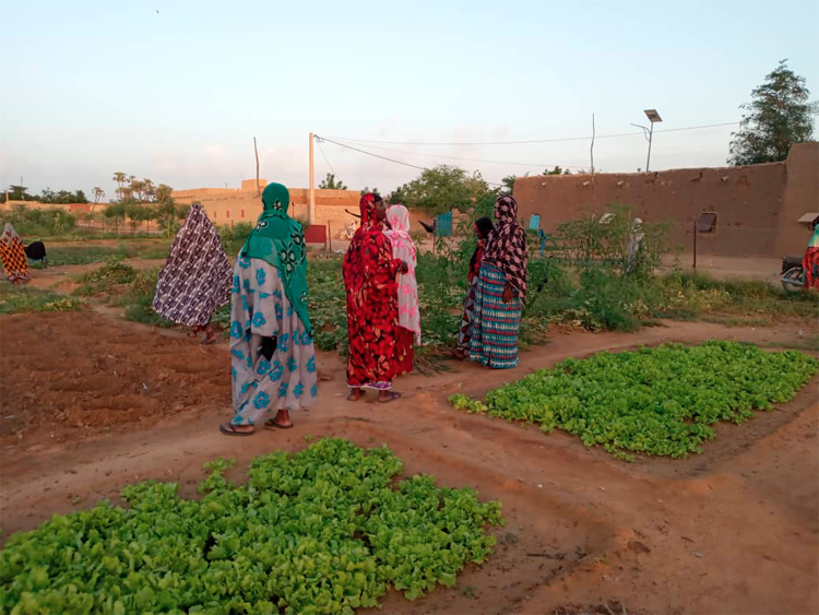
(91, 404)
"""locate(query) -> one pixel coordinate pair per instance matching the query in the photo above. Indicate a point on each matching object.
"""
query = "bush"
(39, 222)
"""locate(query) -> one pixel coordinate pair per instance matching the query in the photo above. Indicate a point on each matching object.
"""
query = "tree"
(99, 194)
(163, 193)
(18, 193)
(397, 196)
(443, 188)
(557, 171)
(116, 212)
(778, 116)
(508, 184)
(121, 179)
(368, 189)
(79, 197)
(331, 182)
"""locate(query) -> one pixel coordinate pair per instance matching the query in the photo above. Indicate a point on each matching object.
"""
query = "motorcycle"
(793, 274)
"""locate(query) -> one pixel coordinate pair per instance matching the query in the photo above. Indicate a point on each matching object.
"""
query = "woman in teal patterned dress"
(271, 340)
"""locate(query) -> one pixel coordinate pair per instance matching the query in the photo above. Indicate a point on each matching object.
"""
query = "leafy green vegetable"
(321, 531)
(657, 401)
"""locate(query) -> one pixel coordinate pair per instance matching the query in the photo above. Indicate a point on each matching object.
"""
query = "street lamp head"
(653, 116)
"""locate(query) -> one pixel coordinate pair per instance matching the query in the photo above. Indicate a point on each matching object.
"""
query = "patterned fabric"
(13, 255)
(506, 245)
(195, 280)
(260, 309)
(404, 351)
(403, 248)
(810, 263)
(483, 227)
(279, 240)
(496, 324)
(372, 303)
(465, 331)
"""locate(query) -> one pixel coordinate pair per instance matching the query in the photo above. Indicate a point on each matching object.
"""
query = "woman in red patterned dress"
(372, 304)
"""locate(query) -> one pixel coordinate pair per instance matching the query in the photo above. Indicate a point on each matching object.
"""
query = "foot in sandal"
(229, 429)
(282, 421)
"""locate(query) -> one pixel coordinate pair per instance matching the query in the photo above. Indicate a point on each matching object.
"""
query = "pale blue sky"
(93, 87)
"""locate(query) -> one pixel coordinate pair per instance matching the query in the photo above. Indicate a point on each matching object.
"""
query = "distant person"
(483, 227)
(636, 237)
(810, 263)
(195, 281)
(370, 272)
(501, 291)
(13, 256)
(271, 339)
(408, 332)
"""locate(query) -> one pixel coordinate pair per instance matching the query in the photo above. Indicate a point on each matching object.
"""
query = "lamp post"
(653, 118)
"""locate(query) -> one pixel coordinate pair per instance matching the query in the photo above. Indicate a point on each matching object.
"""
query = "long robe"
(372, 304)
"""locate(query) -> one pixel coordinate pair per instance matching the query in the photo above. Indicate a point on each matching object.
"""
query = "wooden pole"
(256, 151)
(311, 210)
(329, 239)
(695, 244)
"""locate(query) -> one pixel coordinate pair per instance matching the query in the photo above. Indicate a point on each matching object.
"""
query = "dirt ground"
(91, 403)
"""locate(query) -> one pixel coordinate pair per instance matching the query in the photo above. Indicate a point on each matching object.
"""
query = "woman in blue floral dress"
(271, 340)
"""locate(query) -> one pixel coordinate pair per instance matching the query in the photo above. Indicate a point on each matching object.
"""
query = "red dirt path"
(97, 403)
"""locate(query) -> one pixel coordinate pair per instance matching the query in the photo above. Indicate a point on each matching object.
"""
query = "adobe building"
(226, 206)
(758, 208)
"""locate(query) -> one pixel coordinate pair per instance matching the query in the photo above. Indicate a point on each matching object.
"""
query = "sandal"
(230, 430)
(273, 423)
(391, 398)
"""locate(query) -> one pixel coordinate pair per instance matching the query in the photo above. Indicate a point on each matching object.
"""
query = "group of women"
(273, 359)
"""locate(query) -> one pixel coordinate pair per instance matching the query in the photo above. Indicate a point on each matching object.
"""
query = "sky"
(175, 91)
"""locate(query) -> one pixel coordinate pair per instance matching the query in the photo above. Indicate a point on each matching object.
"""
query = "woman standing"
(483, 227)
(408, 331)
(271, 339)
(195, 281)
(13, 256)
(372, 304)
(810, 262)
(501, 291)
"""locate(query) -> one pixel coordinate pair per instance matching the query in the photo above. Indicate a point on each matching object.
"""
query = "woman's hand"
(404, 268)
(482, 243)
(508, 293)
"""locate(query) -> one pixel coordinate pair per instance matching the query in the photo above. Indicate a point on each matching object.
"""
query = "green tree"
(508, 184)
(18, 193)
(368, 189)
(331, 182)
(397, 196)
(443, 188)
(557, 171)
(116, 212)
(778, 116)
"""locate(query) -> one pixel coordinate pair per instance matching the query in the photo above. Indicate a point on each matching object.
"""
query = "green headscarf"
(279, 240)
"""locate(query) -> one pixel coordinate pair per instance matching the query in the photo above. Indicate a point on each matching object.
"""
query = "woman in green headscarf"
(271, 339)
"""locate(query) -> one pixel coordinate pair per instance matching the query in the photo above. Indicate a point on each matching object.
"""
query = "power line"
(522, 164)
(327, 160)
(561, 140)
(401, 162)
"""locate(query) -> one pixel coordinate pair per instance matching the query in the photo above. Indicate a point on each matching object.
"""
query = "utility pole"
(311, 207)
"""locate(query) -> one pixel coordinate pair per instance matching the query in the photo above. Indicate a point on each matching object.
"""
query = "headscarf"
(13, 255)
(483, 226)
(196, 278)
(279, 241)
(506, 245)
(360, 256)
(403, 249)
(814, 239)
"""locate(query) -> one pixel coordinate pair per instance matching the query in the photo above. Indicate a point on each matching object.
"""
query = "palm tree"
(330, 182)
